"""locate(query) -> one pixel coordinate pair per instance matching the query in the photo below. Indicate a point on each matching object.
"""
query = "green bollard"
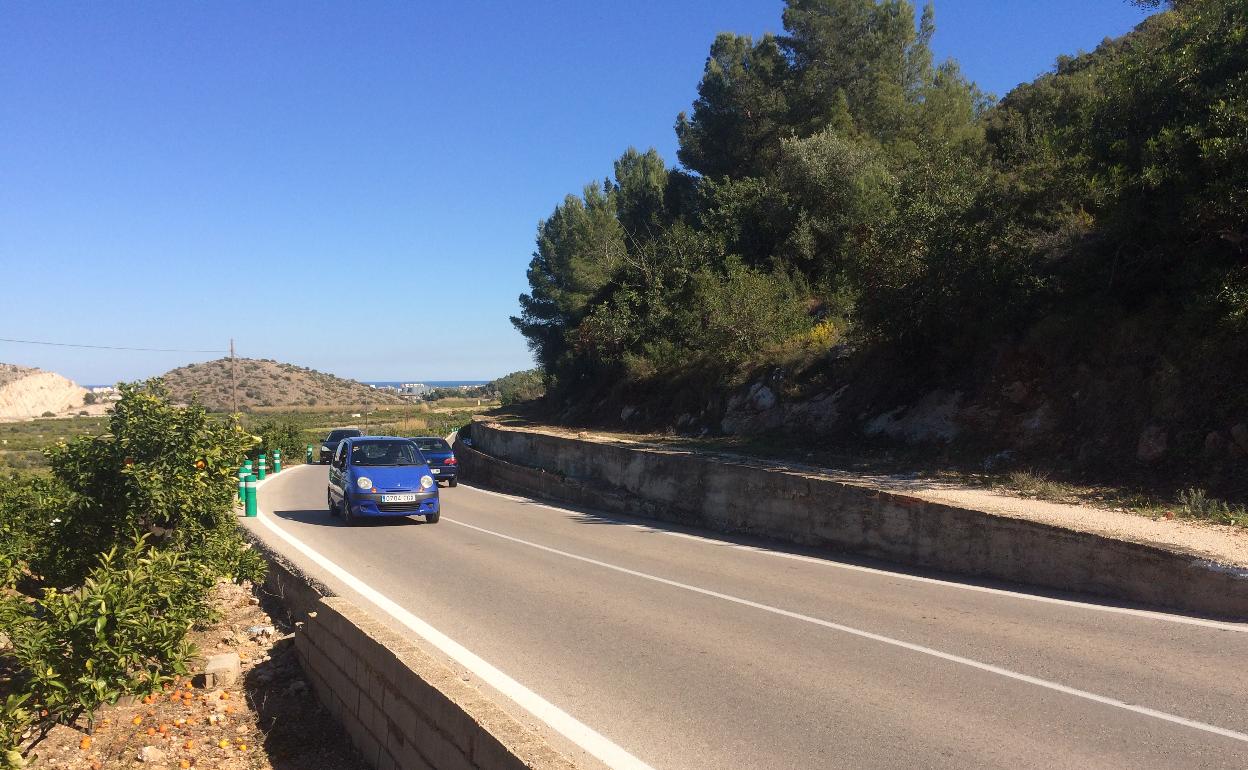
(308, 458)
(248, 466)
(250, 486)
(277, 461)
(262, 463)
(243, 473)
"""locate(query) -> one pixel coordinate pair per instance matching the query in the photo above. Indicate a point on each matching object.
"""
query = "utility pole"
(233, 378)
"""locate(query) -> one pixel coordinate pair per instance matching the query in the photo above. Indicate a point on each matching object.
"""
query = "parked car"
(330, 444)
(381, 476)
(442, 462)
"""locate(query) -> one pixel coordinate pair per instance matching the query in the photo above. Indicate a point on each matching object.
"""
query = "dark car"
(372, 476)
(330, 444)
(442, 462)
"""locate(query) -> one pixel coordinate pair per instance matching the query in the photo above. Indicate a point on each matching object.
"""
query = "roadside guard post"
(243, 473)
(308, 458)
(277, 461)
(261, 463)
(250, 486)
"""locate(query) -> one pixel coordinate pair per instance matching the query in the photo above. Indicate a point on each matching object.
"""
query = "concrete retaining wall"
(403, 709)
(818, 511)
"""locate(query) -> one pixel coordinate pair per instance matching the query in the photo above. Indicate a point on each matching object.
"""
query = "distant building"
(414, 389)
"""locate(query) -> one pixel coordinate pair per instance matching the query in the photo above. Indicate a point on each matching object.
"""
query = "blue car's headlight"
(364, 482)
(426, 482)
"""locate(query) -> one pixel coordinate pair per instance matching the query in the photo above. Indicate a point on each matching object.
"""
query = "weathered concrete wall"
(815, 511)
(403, 709)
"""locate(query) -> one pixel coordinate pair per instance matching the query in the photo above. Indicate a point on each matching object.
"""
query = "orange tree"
(163, 471)
(109, 563)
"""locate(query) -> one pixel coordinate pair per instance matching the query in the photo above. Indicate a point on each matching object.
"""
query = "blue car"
(442, 462)
(372, 476)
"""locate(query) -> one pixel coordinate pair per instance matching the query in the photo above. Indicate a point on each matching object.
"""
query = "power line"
(110, 347)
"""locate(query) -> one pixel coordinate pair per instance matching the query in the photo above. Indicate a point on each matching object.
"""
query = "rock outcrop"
(26, 392)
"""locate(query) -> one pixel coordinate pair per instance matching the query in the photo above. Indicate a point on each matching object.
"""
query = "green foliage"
(29, 509)
(109, 561)
(840, 173)
(276, 433)
(15, 718)
(742, 313)
(160, 468)
(1197, 504)
(520, 386)
(123, 631)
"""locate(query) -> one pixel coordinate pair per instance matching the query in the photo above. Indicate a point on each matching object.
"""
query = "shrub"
(28, 506)
(279, 434)
(1197, 504)
(521, 386)
(15, 718)
(122, 632)
(160, 469)
(742, 313)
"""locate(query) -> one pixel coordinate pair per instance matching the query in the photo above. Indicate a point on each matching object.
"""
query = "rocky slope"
(26, 392)
(268, 383)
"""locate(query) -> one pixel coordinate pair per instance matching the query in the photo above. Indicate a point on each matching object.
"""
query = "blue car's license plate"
(398, 498)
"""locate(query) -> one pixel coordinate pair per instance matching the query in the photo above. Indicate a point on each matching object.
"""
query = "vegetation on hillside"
(849, 211)
(263, 383)
(521, 386)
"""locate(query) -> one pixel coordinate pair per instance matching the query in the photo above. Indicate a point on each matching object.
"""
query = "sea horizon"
(430, 383)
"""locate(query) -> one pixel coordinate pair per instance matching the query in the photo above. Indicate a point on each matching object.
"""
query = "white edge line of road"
(565, 724)
(1151, 615)
(987, 667)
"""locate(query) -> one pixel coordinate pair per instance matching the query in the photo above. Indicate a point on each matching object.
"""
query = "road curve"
(689, 650)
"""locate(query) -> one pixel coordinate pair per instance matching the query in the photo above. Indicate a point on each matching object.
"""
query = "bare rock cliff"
(26, 392)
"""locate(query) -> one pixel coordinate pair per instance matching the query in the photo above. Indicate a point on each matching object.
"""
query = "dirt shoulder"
(1150, 525)
(269, 719)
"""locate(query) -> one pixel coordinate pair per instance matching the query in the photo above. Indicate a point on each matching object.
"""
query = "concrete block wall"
(811, 510)
(403, 709)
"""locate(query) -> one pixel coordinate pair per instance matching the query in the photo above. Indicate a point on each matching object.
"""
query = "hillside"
(26, 392)
(858, 253)
(266, 383)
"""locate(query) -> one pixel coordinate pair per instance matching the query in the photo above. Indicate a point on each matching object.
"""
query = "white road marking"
(988, 667)
(565, 724)
(1151, 615)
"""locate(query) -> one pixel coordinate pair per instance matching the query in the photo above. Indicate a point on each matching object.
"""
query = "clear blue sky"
(176, 174)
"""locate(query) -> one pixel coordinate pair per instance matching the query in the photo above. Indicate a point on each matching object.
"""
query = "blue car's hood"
(392, 476)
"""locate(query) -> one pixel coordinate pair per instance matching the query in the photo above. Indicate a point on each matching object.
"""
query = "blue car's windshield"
(371, 453)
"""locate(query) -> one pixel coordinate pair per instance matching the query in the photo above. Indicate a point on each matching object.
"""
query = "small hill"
(27, 392)
(265, 383)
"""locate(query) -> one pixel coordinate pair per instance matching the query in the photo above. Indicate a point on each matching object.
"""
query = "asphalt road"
(687, 650)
